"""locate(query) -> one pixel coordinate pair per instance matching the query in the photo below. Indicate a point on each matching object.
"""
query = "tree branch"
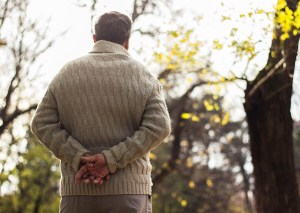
(3, 16)
(10, 118)
(266, 77)
(138, 10)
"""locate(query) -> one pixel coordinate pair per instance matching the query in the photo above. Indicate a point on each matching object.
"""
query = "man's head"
(114, 27)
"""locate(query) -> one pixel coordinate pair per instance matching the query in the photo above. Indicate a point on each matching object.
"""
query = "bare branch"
(266, 77)
(183, 98)
(10, 91)
(149, 33)
(138, 8)
(18, 112)
(4, 15)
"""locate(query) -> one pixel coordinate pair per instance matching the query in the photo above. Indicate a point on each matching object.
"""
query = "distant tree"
(37, 174)
(205, 131)
(23, 41)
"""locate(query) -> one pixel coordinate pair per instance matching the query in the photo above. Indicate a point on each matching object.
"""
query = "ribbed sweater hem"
(110, 187)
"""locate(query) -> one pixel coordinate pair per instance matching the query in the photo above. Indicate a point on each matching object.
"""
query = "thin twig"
(266, 77)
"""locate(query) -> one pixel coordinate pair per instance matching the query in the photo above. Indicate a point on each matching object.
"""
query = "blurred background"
(212, 58)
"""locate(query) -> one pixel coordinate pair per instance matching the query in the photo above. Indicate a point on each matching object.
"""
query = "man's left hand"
(93, 170)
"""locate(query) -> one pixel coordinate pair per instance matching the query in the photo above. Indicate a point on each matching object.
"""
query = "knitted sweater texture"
(104, 102)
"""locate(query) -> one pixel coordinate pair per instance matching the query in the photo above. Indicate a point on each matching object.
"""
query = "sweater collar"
(108, 47)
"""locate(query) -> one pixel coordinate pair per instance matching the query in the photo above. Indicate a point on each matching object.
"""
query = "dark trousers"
(106, 204)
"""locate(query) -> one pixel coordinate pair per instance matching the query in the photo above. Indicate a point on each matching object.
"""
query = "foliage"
(287, 20)
(202, 167)
(23, 41)
(204, 179)
(37, 175)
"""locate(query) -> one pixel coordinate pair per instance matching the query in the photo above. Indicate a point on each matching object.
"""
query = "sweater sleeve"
(48, 129)
(154, 128)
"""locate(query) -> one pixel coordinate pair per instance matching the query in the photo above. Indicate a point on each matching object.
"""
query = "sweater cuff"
(77, 159)
(111, 162)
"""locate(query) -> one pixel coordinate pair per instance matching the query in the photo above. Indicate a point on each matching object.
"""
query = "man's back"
(101, 97)
(108, 103)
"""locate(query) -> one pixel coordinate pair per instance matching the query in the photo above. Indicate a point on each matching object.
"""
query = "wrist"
(102, 158)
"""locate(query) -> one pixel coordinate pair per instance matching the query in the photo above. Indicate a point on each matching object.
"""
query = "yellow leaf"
(284, 36)
(171, 66)
(165, 165)
(189, 162)
(192, 184)
(189, 80)
(186, 115)
(208, 106)
(195, 105)
(295, 32)
(224, 18)
(260, 11)
(183, 203)
(225, 119)
(174, 34)
(216, 119)
(159, 56)
(217, 108)
(217, 45)
(281, 4)
(152, 156)
(209, 183)
(195, 118)
(162, 80)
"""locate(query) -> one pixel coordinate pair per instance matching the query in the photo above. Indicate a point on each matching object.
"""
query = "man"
(101, 116)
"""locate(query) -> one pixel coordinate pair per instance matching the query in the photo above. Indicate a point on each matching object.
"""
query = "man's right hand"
(94, 169)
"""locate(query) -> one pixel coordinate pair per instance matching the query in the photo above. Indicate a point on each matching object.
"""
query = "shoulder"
(144, 73)
(143, 77)
(75, 63)
(66, 71)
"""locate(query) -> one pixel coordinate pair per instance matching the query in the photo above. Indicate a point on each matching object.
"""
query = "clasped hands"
(93, 169)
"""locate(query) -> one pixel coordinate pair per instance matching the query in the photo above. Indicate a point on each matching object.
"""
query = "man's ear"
(94, 38)
(126, 44)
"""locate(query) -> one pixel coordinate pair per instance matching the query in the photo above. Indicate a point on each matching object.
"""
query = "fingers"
(89, 159)
(92, 170)
(86, 181)
(91, 165)
(80, 173)
(85, 176)
(95, 180)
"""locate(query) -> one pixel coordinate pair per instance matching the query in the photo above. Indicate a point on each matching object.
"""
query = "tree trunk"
(267, 106)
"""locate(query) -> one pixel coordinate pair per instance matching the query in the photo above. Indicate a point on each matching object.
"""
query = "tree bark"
(267, 106)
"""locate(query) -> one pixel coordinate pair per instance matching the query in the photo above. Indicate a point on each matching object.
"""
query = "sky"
(68, 15)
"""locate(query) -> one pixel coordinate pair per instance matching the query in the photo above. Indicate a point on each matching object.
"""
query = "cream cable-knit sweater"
(104, 102)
